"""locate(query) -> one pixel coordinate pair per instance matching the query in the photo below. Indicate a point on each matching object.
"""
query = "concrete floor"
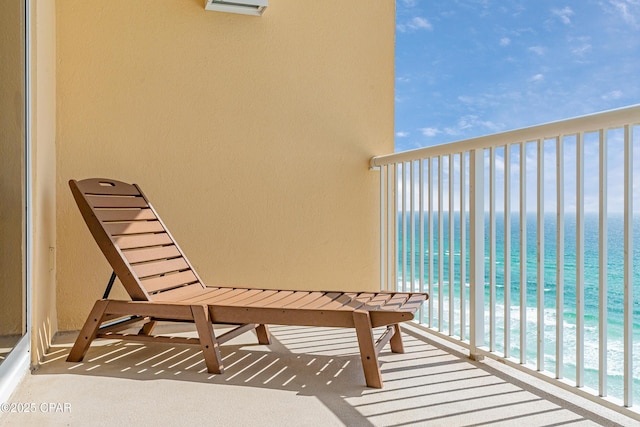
(307, 377)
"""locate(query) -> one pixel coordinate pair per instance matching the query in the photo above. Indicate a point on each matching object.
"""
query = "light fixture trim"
(245, 7)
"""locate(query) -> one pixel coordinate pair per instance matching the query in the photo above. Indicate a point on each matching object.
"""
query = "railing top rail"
(588, 123)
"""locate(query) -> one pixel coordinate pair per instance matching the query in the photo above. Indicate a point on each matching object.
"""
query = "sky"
(467, 68)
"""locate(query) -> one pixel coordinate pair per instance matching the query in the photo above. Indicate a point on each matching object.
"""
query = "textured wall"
(43, 174)
(251, 136)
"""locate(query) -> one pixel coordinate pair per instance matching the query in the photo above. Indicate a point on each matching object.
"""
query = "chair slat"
(124, 214)
(142, 240)
(222, 298)
(378, 301)
(116, 202)
(182, 293)
(304, 300)
(136, 227)
(323, 300)
(151, 254)
(279, 295)
(357, 301)
(339, 302)
(160, 267)
(289, 299)
(241, 297)
(212, 293)
(412, 303)
(365, 297)
(395, 302)
(258, 298)
(169, 281)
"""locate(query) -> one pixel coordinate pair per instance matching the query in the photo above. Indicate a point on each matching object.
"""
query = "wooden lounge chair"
(163, 286)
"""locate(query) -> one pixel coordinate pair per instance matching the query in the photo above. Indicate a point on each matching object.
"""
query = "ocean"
(615, 293)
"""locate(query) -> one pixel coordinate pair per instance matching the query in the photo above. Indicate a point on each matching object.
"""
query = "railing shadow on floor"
(428, 384)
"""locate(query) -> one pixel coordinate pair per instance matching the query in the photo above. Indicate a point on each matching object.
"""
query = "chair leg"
(368, 353)
(148, 327)
(210, 346)
(264, 336)
(396, 340)
(88, 332)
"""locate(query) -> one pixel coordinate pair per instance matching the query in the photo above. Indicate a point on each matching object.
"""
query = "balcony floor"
(308, 376)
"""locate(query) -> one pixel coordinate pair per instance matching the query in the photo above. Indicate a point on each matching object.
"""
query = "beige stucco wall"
(43, 174)
(250, 135)
(12, 125)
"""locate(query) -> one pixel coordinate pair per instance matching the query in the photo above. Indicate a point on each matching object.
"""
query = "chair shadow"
(325, 364)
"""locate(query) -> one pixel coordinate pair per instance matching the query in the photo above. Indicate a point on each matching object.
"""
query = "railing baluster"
(507, 250)
(492, 249)
(412, 229)
(523, 252)
(560, 257)
(463, 245)
(603, 267)
(430, 242)
(421, 231)
(399, 225)
(404, 227)
(579, 260)
(391, 225)
(540, 263)
(450, 217)
(476, 205)
(628, 267)
(383, 226)
(440, 244)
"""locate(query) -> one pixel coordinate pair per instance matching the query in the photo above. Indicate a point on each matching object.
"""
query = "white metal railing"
(524, 242)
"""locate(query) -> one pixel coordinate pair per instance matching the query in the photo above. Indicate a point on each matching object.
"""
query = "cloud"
(466, 124)
(537, 78)
(563, 14)
(402, 134)
(614, 94)
(472, 121)
(452, 131)
(410, 3)
(419, 23)
(581, 50)
(505, 41)
(430, 132)
(490, 101)
(582, 47)
(415, 24)
(538, 50)
(628, 9)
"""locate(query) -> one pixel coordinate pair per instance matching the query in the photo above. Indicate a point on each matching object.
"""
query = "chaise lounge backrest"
(140, 249)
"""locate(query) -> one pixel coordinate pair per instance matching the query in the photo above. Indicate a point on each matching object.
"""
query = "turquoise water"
(615, 294)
